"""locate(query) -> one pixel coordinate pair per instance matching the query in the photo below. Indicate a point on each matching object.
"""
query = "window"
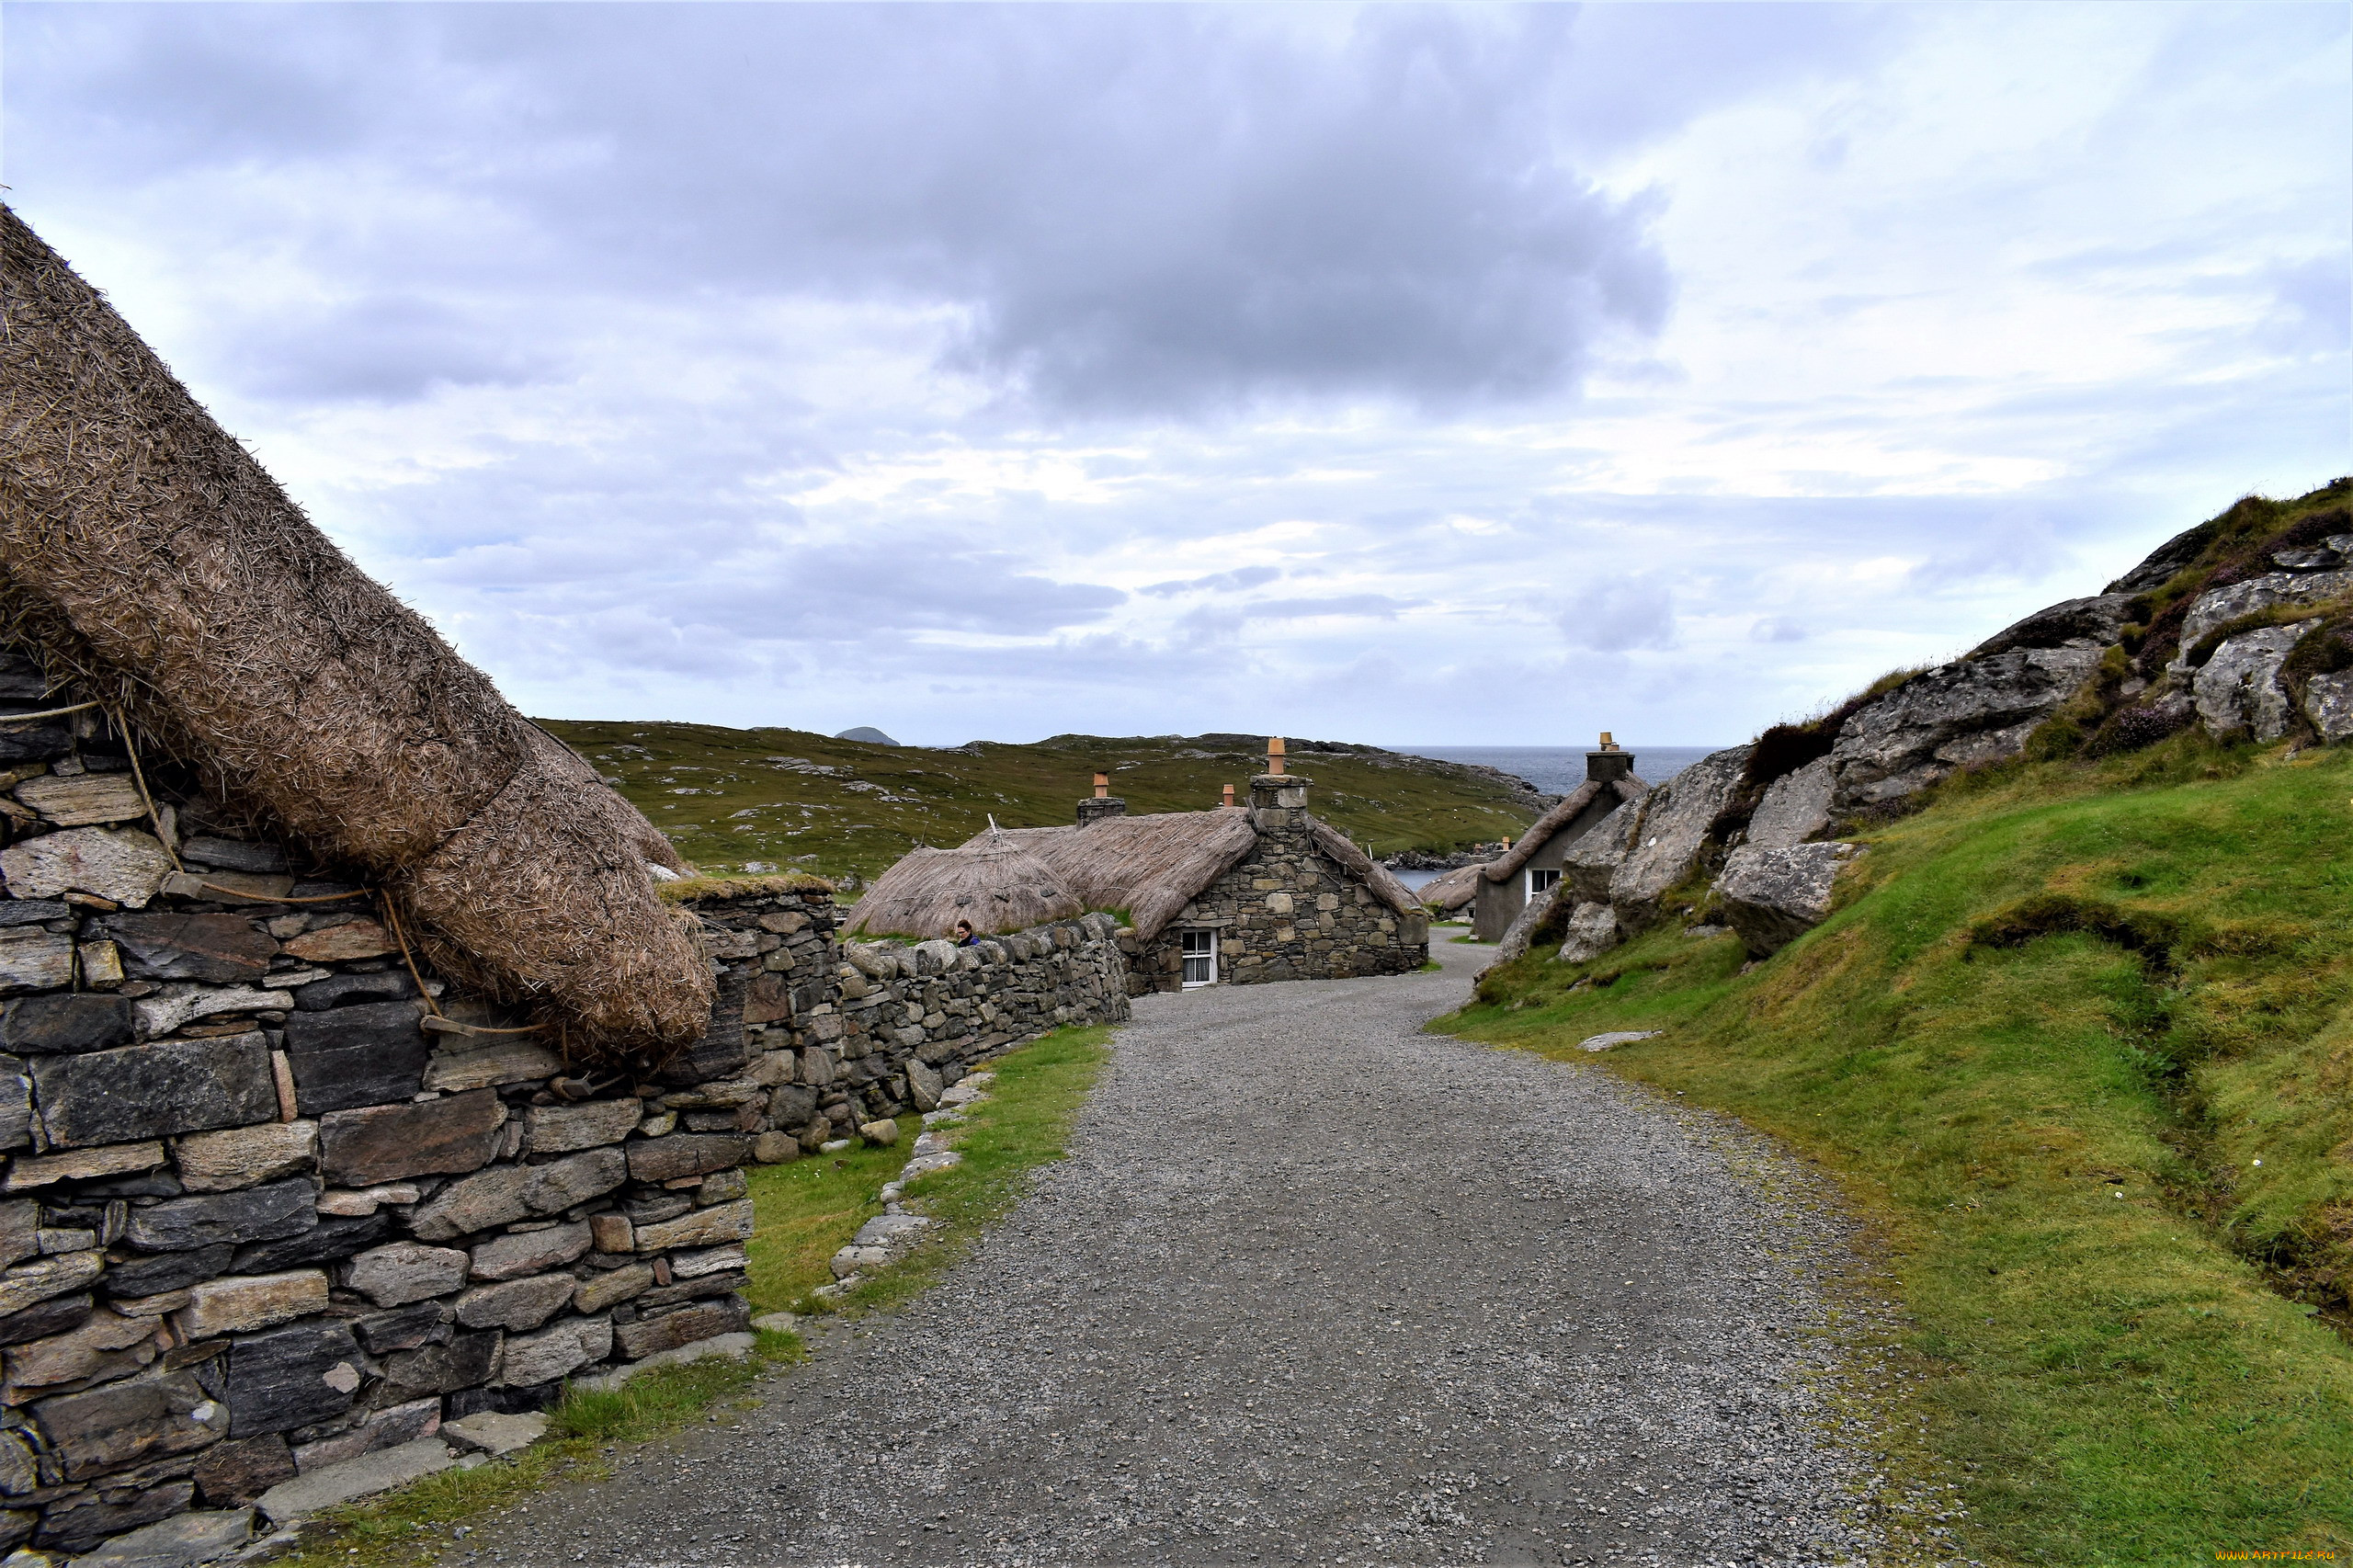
(1543, 882)
(1201, 958)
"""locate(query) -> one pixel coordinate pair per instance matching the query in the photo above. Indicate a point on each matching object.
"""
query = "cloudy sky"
(1396, 374)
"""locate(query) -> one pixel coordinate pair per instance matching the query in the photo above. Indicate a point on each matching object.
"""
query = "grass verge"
(2079, 1044)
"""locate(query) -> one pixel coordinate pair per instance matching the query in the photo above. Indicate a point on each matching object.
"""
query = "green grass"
(733, 798)
(2063, 1015)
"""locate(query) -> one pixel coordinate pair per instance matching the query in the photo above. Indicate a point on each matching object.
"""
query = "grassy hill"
(2079, 1045)
(731, 798)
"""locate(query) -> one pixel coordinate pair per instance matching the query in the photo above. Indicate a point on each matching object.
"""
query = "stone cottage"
(1532, 867)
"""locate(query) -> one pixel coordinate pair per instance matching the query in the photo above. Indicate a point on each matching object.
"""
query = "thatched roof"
(153, 561)
(1370, 872)
(1611, 793)
(1453, 890)
(991, 881)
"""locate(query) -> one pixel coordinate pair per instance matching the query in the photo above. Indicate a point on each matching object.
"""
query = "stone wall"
(1287, 911)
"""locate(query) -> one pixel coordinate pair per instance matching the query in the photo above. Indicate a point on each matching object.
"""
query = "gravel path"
(1313, 1287)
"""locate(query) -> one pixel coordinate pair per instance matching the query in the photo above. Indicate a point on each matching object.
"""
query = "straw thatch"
(1453, 890)
(1152, 866)
(157, 565)
(991, 881)
(1609, 793)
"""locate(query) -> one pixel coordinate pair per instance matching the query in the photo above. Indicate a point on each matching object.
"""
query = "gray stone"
(155, 1090)
(243, 1156)
(38, 1281)
(1592, 860)
(244, 1467)
(120, 864)
(343, 990)
(2328, 703)
(923, 1087)
(2239, 690)
(121, 1423)
(235, 854)
(530, 1252)
(241, 1303)
(1665, 845)
(256, 1215)
(682, 1154)
(382, 1429)
(732, 1346)
(402, 1272)
(509, 1193)
(2091, 623)
(2220, 607)
(353, 1479)
(84, 799)
(19, 1230)
(179, 1542)
(703, 1227)
(612, 1288)
(165, 945)
(1958, 715)
(405, 1328)
(881, 1133)
(562, 1129)
(384, 1143)
(143, 1276)
(816, 1068)
(84, 1165)
(1592, 931)
(1522, 929)
(33, 960)
(107, 1344)
(468, 1360)
(486, 1066)
(80, 1523)
(290, 1377)
(554, 1352)
(1796, 806)
(1611, 1041)
(330, 1239)
(16, 1110)
(1771, 897)
(647, 1336)
(66, 1025)
(362, 1055)
(515, 1303)
(493, 1432)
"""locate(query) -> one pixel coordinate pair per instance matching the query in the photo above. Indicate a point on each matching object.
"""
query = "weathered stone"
(611, 1287)
(386, 1428)
(401, 1272)
(144, 1277)
(2239, 690)
(816, 1068)
(364, 1200)
(2088, 624)
(120, 864)
(228, 887)
(1522, 929)
(84, 1165)
(290, 1377)
(180, 1542)
(612, 1232)
(1796, 806)
(16, 1110)
(47, 1277)
(342, 944)
(329, 1240)
(33, 960)
(349, 1057)
(42, 1319)
(466, 1361)
(79, 1523)
(775, 1148)
(353, 1479)
(83, 800)
(515, 1303)
(343, 990)
(378, 1143)
(509, 1193)
(722, 1187)
(121, 1423)
(2219, 607)
(405, 1328)
(235, 854)
(1592, 931)
(19, 1230)
(2328, 703)
(66, 1025)
(703, 1227)
(498, 1432)
(881, 1133)
(649, 1336)
(768, 999)
(534, 1359)
(1592, 860)
(707, 1261)
(923, 1087)
(241, 1157)
(680, 1155)
(529, 1252)
(722, 1049)
(478, 1067)
(255, 1214)
(1771, 897)
(154, 1090)
(244, 1302)
(105, 1342)
(244, 1467)
(1676, 818)
(182, 1001)
(1958, 715)
(164, 945)
(560, 1129)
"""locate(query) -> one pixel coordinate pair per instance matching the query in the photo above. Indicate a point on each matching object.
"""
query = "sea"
(1556, 770)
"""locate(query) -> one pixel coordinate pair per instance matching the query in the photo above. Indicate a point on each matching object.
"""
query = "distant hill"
(791, 797)
(868, 734)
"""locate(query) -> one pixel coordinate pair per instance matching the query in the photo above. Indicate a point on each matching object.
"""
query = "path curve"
(1313, 1286)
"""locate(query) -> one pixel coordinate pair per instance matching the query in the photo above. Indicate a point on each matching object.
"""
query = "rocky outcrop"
(1523, 926)
(2092, 622)
(1795, 808)
(1771, 897)
(2217, 607)
(1671, 834)
(1959, 715)
(2328, 703)
(1592, 860)
(2239, 690)
(1592, 930)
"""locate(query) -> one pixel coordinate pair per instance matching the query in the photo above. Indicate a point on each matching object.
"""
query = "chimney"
(1103, 804)
(1274, 755)
(1228, 802)
(1278, 800)
(1607, 762)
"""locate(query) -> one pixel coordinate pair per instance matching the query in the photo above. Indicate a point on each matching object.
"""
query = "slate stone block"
(235, 854)
(290, 1377)
(509, 1193)
(32, 911)
(466, 1360)
(560, 1129)
(169, 1271)
(330, 1239)
(43, 742)
(269, 1214)
(638, 1340)
(362, 1055)
(67, 1025)
(405, 1328)
(78, 1524)
(667, 1159)
(21, 1225)
(58, 1314)
(384, 1143)
(400, 1272)
(242, 1469)
(154, 1090)
(348, 990)
(529, 1252)
(720, 1051)
(164, 945)
(121, 1423)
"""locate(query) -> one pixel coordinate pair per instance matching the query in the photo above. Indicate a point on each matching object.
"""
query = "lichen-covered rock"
(1672, 831)
(1592, 931)
(2090, 623)
(2328, 703)
(1771, 897)
(1796, 806)
(1522, 929)
(120, 864)
(2238, 688)
(1958, 715)
(2220, 607)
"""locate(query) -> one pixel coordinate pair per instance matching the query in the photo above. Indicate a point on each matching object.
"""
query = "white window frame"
(1185, 940)
(1552, 875)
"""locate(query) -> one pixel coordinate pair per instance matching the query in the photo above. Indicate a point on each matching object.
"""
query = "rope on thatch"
(991, 881)
(1453, 890)
(151, 558)
(1613, 791)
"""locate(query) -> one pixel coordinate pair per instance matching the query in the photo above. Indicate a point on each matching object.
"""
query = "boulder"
(2328, 703)
(1592, 931)
(1522, 929)
(2238, 690)
(120, 864)
(1771, 897)
(1673, 830)
(1592, 860)
(2220, 607)
(1958, 715)
(1796, 806)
